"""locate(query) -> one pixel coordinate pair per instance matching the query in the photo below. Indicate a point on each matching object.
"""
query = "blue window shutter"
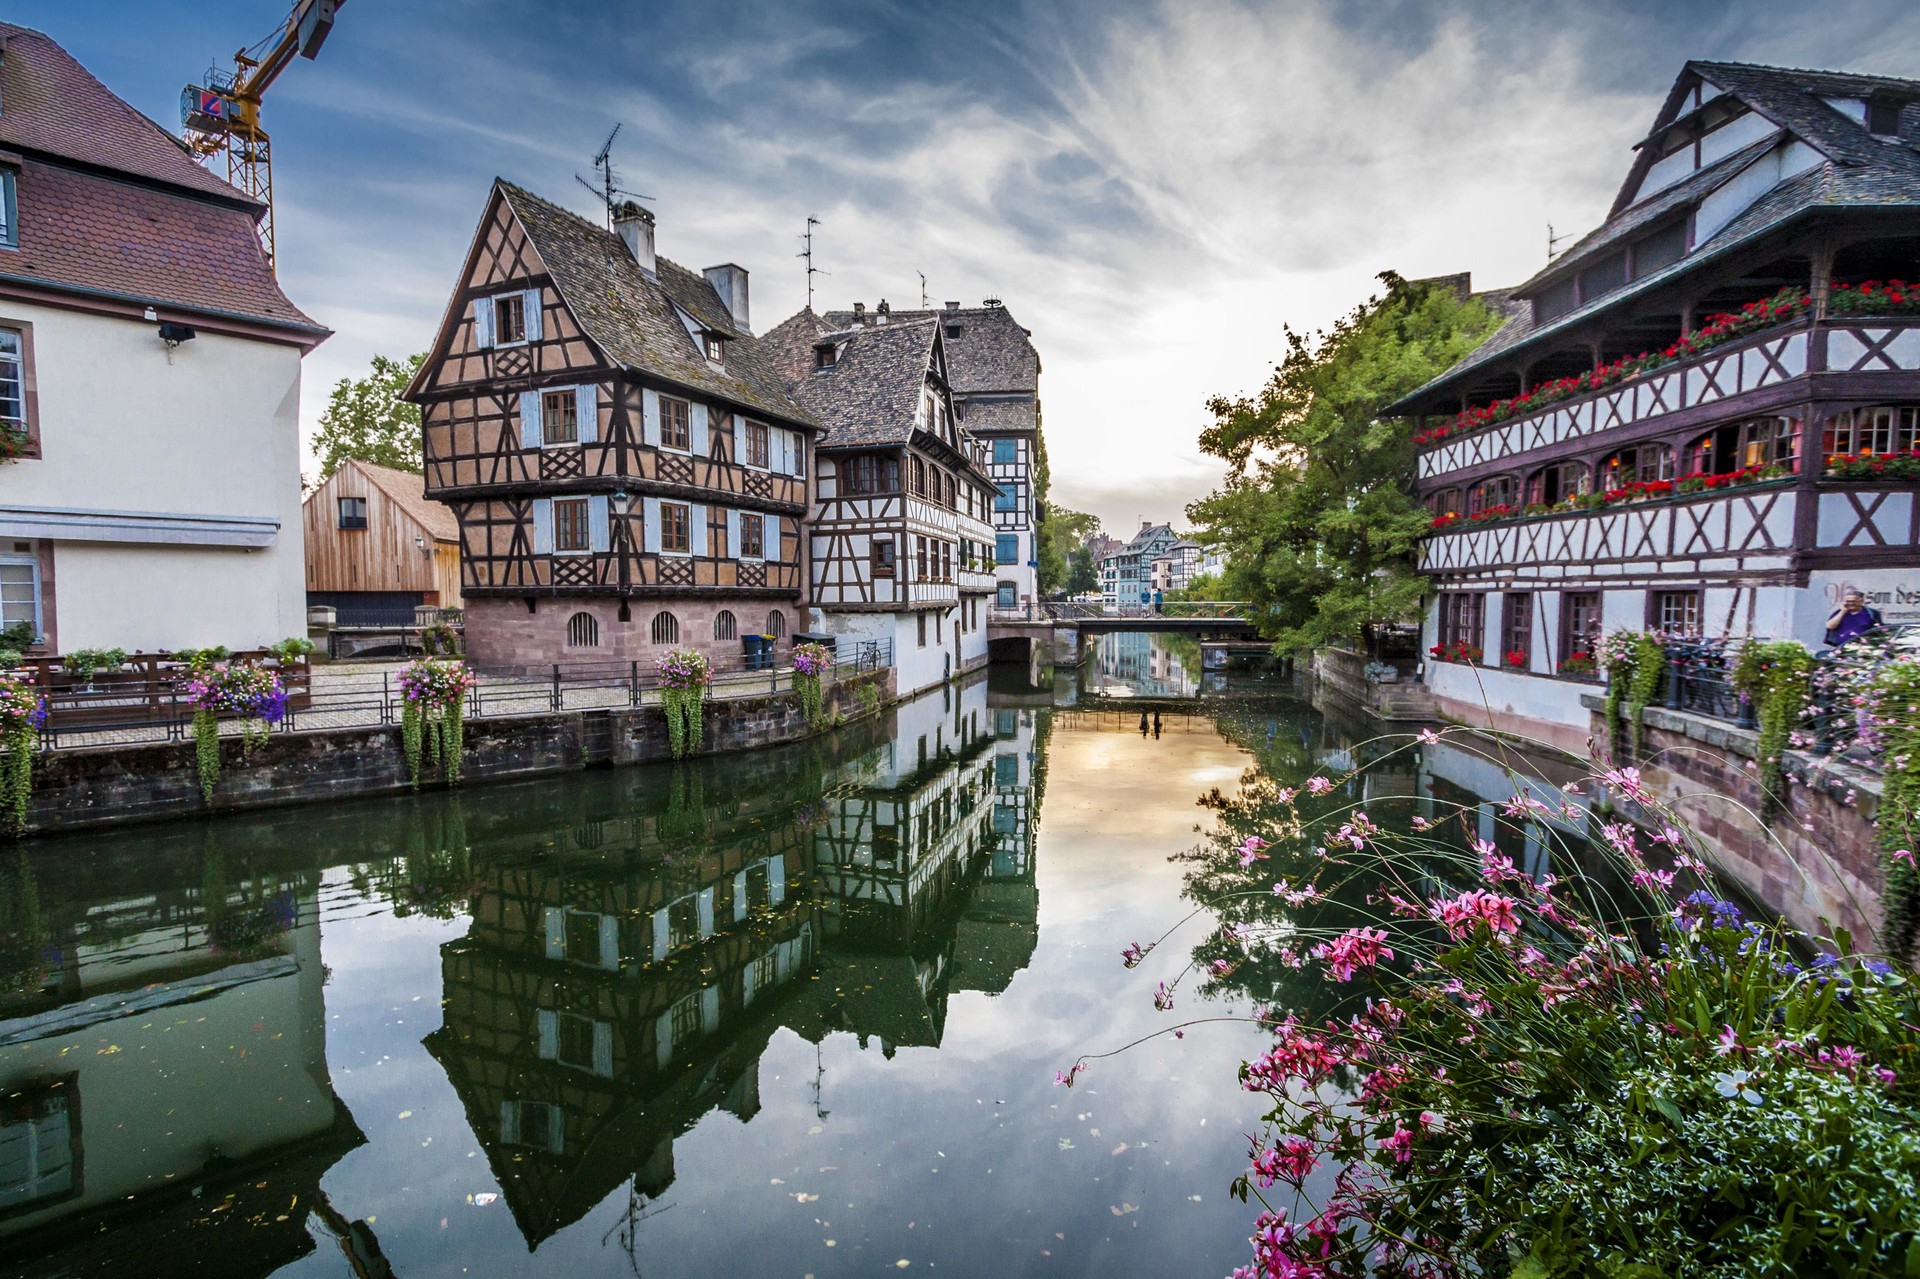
(709, 1008)
(555, 921)
(603, 1049)
(733, 533)
(697, 428)
(531, 308)
(662, 933)
(483, 322)
(740, 905)
(610, 941)
(599, 523)
(703, 908)
(543, 526)
(777, 879)
(650, 422)
(697, 530)
(739, 440)
(529, 419)
(650, 519)
(586, 404)
(548, 1022)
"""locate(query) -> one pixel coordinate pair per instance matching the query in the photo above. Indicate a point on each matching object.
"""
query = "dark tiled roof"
(991, 353)
(1792, 99)
(86, 232)
(630, 314)
(789, 344)
(989, 417)
(869, 396)
(52, 104)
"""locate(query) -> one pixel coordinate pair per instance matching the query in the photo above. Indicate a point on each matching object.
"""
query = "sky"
(1156, 189)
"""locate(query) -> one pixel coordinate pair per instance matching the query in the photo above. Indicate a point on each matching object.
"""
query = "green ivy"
(436, 736)
(21, 738)
(206, 749)
(685, 731)
(1635, 663)
(1775, 675)
(1897, 712)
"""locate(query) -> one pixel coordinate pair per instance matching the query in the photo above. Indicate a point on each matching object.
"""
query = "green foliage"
(365, 418)
(10, 659)
(206, 749)
(433, 734)
(19, 637)
(440, 640)
(685, 728)
(1896, 710)
(85, 663)
(1635, 663)
(199, 660)
(1060, 538)
(291, 648)
(869, 694)
(1775, 675)
(16, 772)
(1317, 512)
(1083, 576)
(1205, 586)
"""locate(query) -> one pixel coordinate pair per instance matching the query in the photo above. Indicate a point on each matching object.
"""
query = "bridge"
(1052, 633)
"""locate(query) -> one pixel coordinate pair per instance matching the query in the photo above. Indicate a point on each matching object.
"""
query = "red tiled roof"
(50, 103)
(82, 231)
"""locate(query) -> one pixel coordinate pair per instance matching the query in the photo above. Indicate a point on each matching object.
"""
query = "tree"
(1063, 533)
(1203, 586)
(1317, 513)
(365, 418)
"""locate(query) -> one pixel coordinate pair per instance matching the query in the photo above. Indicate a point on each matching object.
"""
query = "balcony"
(1857, 349)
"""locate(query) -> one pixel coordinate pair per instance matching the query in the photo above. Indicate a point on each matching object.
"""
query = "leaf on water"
(1120, 1149)
(1123, 1209)
(902, 1264)
(805, 1198)
(1066, 1144)
(406, 1114)
(776, 1181)
(816, 1129)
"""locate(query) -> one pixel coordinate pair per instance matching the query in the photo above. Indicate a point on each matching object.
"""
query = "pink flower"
(1428, 737)
(1319, 786)
(1286, 794)
(1903, 855)
(1627, 781)
(1134, 953)
(1252, 848)
(1290, 1161)
(1067, 1076)
(1729, 1042)
(1163, 998)
(1401, 1144)
(1352, 951)
(1478, 906)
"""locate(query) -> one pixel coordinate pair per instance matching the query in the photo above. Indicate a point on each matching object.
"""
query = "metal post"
(633, 684)
(559, 697)
(386, 699)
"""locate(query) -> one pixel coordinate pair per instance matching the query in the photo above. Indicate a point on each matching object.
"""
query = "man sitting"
(1851, 620)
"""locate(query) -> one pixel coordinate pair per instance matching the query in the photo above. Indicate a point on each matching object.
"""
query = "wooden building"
(628, 472)
(901, 545)
(377, 547)
(1716, 487)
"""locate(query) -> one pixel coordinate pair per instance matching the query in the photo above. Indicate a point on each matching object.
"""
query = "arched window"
(1760, 441)
(725, 625)
(1884, 428)
(1445, 502)
(1552, 485)
(666, 628)
(1491, 494)
(776, 624)
(583, 631)
(1640, 464)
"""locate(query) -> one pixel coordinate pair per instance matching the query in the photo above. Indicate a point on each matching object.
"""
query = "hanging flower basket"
(251, 693)
(810, 662)
(433, 694)
(22, 712)
(685, 674)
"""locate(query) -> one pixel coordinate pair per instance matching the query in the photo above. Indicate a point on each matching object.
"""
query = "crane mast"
(222, 117)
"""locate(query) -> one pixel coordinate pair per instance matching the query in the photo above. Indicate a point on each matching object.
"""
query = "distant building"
(995, 373)
(1126, 576)
(377, 547)
(1175, 568)
(149, 380)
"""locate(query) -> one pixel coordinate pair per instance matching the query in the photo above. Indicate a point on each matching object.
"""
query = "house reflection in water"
(115, 983)
(621, 980)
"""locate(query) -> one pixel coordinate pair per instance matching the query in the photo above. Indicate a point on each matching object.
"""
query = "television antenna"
(609, 185)
(923, 289)
(807, 253)
(1553, 241)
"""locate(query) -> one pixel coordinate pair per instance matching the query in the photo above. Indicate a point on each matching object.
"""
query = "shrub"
(83, 664)
(291, 649)
(1775, 675)
(19, 637)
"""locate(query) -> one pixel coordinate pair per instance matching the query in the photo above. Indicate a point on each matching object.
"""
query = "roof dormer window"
(715, 347)
(1883, 116)
(825, 356)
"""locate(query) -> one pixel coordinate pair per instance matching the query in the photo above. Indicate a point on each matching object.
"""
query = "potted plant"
(433, 695)
(290, 650)
(83, 664)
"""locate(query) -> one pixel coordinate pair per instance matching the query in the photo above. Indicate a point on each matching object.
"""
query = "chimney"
(730, 282)
(635, 226)
(953, 306)
(859, 313)
(881, 312)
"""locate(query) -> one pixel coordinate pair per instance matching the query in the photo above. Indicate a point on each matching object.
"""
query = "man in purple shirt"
(1851, 620)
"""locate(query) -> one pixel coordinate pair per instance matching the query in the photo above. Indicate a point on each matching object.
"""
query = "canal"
(797, 1013)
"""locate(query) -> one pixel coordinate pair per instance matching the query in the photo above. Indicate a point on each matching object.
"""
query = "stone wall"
(1343, 672)
(502, 636)
(1818, 860)
(103, 786)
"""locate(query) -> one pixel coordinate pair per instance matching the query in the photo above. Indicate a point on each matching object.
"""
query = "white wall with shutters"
(599, 523)
(483, 322)
(586, 403)
(697, 428)
(697, 529)
(543, 526)
(650, 421)
(530, 303)
(650, 520)
(529, 419)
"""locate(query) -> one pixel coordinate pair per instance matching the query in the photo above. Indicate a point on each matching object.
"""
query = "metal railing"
(1076, 610)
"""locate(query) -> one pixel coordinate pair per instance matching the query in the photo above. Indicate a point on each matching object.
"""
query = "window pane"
(17, 583)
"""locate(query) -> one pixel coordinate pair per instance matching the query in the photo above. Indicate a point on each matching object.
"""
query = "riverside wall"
(113, 785)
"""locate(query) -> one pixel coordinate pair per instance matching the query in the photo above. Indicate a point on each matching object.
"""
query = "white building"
(1126, 576)
(900, 544)
(149, 381)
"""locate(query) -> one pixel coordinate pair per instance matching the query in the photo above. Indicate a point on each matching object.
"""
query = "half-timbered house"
(994, 370)
(629, 473)
(901, 543)
(1669, 430)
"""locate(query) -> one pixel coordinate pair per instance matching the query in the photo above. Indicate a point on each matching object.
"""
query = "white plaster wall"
(1554, 701)
(1626, 608)
(1737, 194)
(213, 433)
(915, 667)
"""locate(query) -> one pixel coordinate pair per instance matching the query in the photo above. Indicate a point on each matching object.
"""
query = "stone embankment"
(111, 785)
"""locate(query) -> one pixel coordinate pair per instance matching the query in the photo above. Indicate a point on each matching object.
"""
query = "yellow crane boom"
(223, 116)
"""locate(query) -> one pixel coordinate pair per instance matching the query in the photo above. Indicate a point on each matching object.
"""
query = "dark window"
(666, 628)
(752, 536)
(353, 512)
(1516, 629)
(1579, 625)
(716, 348)
(1883, 117)
(1555, 302)
(921, 619)
(674, 534)
(570, 531)
(725, 625)
(883, 557)
(1641, 464)
(9, 208)
(776, 623)
(509, 319)
(1490, 495)
(583, 937)
(1885, 428)
(919, 559)
(823, 357)
(756, 444)
(583, 631)
(1463, 619)
(954, 330)
(1663, 248)
(1551, 485)
(674, 433)
(1675, 612)
(559, 418)
(13, 379)
(1603, 277)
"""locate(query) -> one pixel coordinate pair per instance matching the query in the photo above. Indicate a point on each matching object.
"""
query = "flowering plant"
(1457, 651)
(1516, 657)
(1445, 520)
(810, 661)
(1775, 675)
(684, 676)
(1578, 662)
(250, 693)
(23, 711)
(1634, 662)
(1865, 465)
(433, 699)
(13, 440)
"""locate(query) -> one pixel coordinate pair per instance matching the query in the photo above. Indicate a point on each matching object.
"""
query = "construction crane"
(223, 116)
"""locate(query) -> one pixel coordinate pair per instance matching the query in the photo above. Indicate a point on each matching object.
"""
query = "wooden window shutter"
(650, 521)
(555, 920)
(599, 523)
(650, 424)
(482, 323)
(697, 530)
(739, 440)
(543, 526)
(548, 1022)
(610, 942)
(697, 428)
(733, 533)
(703, 907)
(529, 419)
(586, 404)
(531, 307)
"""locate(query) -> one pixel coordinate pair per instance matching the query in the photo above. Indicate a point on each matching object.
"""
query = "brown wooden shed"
(377, 546)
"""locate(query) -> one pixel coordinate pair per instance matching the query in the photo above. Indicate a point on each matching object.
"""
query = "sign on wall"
(1894, 591)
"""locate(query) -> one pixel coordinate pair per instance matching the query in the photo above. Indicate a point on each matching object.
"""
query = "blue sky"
(1155, 189)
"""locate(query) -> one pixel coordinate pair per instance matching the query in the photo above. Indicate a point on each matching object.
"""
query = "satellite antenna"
(609, 185)
(923, 289)
(807, 253)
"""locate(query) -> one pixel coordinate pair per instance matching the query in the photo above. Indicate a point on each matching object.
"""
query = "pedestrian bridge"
(1052, 633)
